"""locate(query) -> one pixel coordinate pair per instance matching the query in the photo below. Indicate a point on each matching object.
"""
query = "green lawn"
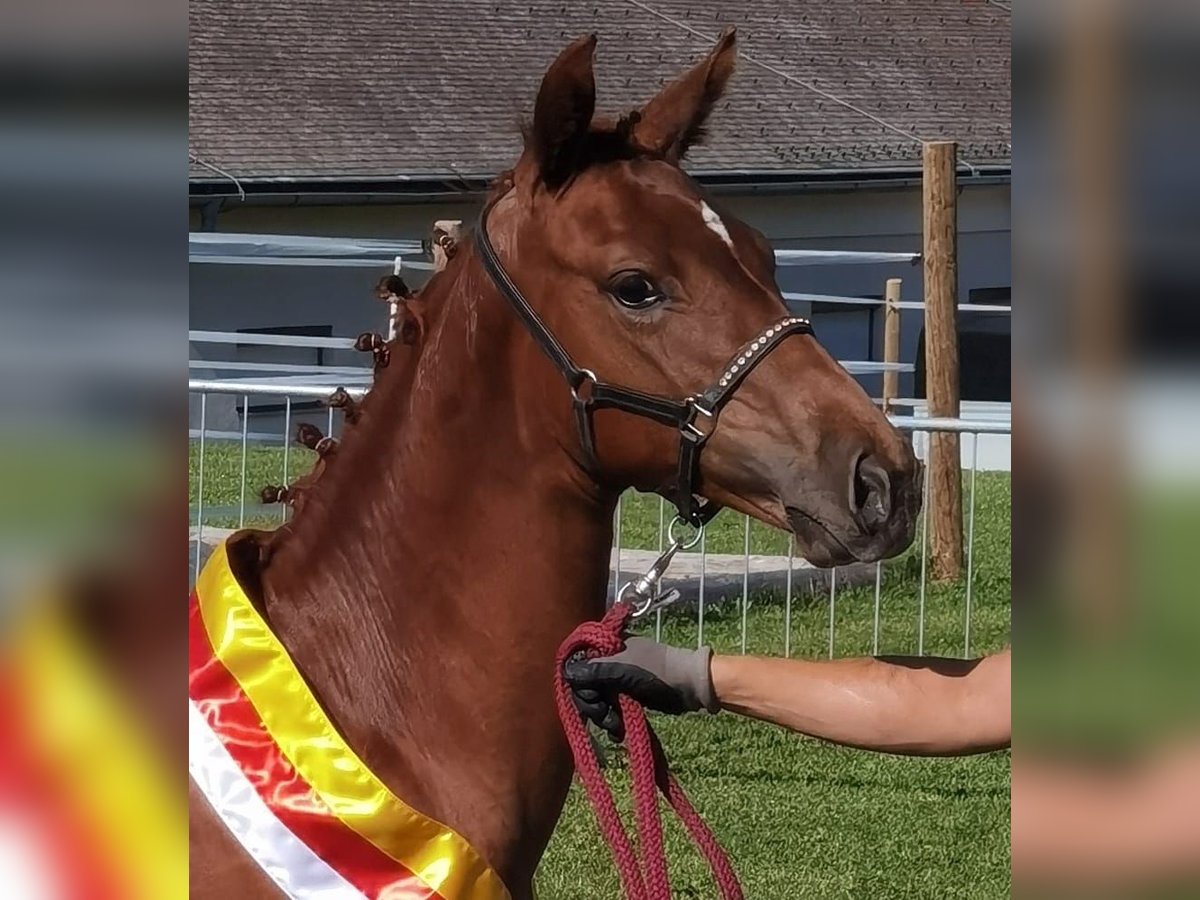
(802, 819)
(798, 818)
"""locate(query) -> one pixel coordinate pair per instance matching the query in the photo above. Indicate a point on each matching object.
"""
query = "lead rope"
(646, 879)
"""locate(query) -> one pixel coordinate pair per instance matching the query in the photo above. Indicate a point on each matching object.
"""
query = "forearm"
(917, 706)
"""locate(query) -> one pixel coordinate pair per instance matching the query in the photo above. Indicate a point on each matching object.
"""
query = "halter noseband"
(682, 414)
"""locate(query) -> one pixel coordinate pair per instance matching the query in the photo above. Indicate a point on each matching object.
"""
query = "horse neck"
(444, 555)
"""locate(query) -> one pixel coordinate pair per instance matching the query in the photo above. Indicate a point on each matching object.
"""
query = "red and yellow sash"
(287, 785)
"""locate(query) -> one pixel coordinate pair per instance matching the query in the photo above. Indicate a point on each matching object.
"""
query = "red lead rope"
(644, 879)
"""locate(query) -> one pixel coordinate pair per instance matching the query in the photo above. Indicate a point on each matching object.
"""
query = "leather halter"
(590, 393)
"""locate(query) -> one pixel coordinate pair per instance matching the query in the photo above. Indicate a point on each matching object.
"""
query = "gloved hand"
(658, 676)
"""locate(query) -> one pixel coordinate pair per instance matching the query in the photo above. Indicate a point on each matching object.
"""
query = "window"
(847, 329)
(992, 296)
(984, 348)
(305, 356)
(301, 356)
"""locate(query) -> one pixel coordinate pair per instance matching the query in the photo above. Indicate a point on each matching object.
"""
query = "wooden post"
(941, 357)
(1096, 508)
(394, 304)
(891, 342)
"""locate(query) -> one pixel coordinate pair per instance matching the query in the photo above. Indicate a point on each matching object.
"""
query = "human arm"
(909, 705)
(921, 706)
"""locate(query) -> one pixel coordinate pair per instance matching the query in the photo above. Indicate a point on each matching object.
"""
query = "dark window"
(870, 315)
(305, 356)
(992, 296)
(984, 349)
(302, 356)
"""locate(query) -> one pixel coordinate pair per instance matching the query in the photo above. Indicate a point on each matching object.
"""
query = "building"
(374, 119)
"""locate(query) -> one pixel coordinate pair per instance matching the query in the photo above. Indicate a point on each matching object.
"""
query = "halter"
(589, 393)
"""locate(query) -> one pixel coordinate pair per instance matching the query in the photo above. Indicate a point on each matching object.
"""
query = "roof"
(425, 90)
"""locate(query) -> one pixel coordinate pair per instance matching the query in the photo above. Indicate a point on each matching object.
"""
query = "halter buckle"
(585, 376)
(697, 408)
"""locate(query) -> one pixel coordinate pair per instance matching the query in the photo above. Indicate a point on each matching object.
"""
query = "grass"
(799, 818)
(803, 819)
(223, 488)
(807, 820)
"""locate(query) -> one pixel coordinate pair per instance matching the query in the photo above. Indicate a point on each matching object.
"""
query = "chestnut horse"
(464, 530)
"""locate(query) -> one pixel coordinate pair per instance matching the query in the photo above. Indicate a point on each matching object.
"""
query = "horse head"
(647, 283)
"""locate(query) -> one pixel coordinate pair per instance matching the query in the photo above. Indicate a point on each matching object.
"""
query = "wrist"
(718, 676)
(687, 672)
(727, 676)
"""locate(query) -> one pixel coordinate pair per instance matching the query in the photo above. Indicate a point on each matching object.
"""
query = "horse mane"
(396, 360)
(607, 140)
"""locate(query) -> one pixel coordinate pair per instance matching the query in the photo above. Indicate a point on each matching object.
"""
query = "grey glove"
(658, 676)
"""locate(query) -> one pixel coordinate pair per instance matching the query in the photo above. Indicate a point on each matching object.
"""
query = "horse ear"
(563, 112)
(674, 120)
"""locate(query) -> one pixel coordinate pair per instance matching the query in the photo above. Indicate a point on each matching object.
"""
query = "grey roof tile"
(370, 88)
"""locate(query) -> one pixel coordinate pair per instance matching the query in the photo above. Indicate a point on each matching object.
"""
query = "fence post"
(944, 517)
(393, 304)
(891, 342)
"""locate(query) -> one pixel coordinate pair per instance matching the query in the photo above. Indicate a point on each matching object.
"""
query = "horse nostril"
(872, 499)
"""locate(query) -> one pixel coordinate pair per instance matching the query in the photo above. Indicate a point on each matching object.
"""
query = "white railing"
(733, 581)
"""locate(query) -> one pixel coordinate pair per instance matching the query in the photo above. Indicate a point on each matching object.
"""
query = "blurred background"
(93, 321)
(1106, 774)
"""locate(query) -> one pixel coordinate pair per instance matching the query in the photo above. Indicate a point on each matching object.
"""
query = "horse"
(465, 526)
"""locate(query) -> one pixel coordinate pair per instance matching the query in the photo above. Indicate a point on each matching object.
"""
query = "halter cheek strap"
(695, 417)
(709, 405)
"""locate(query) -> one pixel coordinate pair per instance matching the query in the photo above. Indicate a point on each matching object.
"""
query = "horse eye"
(635, 291)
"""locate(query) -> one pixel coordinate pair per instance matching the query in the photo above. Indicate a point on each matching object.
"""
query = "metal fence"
(733, 583)
(742, 585)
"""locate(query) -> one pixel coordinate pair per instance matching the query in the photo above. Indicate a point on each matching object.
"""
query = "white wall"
(985, 452)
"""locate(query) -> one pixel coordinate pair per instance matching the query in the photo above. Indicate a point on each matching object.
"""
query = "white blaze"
(713, 221)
